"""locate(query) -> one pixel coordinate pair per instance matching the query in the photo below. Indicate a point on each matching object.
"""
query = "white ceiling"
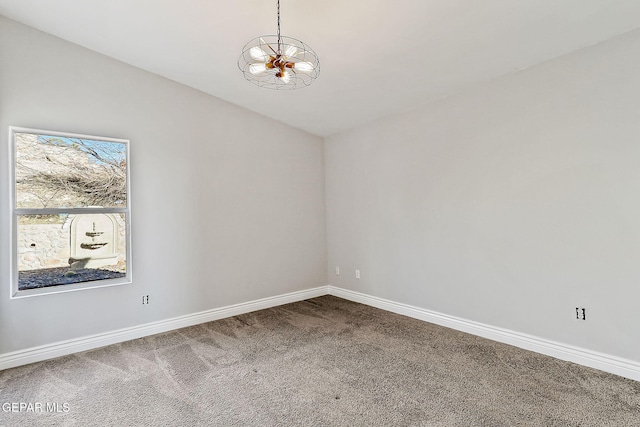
(377, 57)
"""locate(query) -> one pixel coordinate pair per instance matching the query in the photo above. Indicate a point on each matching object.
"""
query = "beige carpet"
(321, 362)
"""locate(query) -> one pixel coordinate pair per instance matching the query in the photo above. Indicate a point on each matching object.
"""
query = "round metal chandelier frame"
(279, 62)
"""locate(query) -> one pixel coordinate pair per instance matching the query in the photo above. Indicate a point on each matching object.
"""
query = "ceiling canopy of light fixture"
(279, 62)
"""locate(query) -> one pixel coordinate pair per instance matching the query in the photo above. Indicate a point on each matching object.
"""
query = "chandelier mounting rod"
(279, 48)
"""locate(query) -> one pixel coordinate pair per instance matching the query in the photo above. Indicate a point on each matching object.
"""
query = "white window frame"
(15, 212)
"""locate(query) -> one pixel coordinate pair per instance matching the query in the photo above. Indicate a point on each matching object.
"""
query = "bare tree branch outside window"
(56, 172)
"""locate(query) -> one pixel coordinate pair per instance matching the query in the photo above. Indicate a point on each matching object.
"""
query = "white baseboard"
(604, 362)
(63, 348)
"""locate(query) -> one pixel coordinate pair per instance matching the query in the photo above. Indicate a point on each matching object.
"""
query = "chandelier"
(278, 62)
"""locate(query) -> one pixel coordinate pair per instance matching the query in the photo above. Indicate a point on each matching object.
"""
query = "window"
(70, 222)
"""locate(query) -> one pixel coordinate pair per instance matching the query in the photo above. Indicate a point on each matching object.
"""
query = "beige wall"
(50, 245)
(227, 205)
(509, 204)
(43, 246)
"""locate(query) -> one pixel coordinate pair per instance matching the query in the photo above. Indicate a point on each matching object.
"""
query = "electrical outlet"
(337, 271)
(145, 299)
(581, 313)
(357, 274)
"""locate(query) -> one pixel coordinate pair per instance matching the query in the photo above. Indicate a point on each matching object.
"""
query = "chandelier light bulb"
(258, 54)
(304, 67)
(290, 51)
(257, 68)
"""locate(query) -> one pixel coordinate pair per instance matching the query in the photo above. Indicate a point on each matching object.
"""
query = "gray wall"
(509, 204)
(227, 206)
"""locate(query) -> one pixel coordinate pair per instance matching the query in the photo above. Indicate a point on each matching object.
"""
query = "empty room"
(320, 213)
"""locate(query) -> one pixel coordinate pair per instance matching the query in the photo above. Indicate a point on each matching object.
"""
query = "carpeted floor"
(321, 362)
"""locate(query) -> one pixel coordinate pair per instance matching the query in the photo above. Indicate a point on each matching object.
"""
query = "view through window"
(70, 211)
